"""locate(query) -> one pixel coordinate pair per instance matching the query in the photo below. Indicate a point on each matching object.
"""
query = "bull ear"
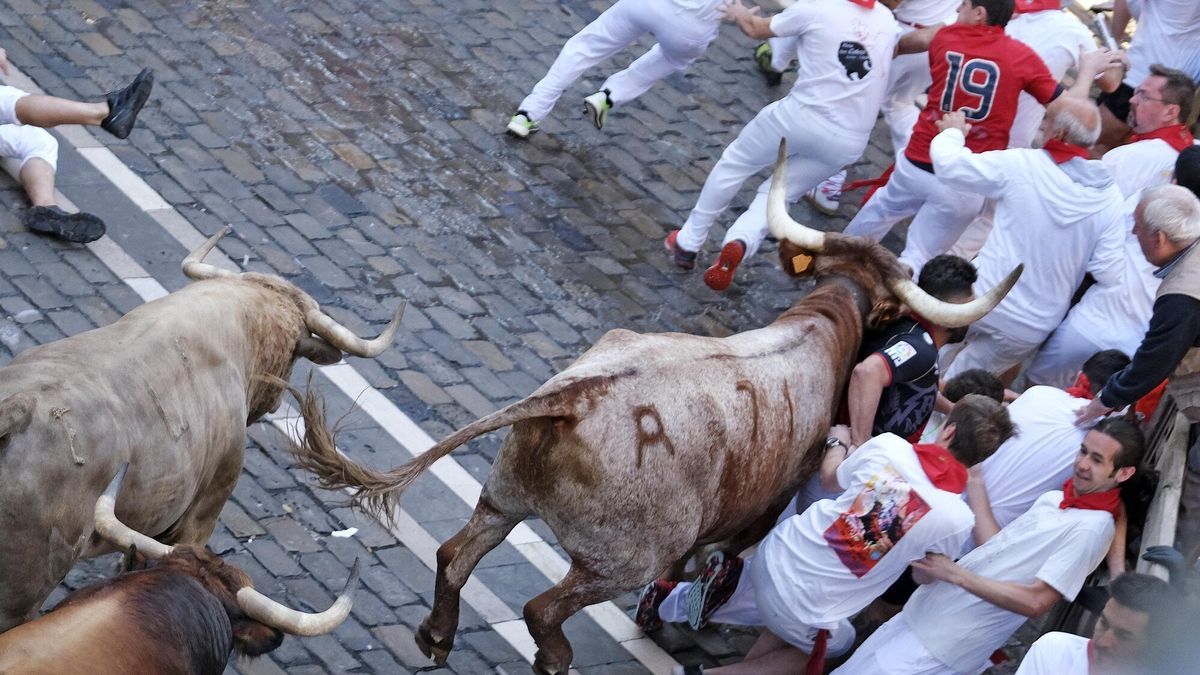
(252, 638)
(795, 261)
(317, 350)
(15, 413)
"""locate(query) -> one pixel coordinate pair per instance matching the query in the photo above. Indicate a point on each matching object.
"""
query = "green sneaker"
(521, 126)
(762, 56)
(596, 107)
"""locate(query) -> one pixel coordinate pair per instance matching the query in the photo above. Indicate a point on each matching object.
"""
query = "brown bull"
(651, 444)
(186, 615)
(169, 388)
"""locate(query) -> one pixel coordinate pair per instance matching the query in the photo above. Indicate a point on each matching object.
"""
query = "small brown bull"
(651, 444)
(170, 388)
(185, 615)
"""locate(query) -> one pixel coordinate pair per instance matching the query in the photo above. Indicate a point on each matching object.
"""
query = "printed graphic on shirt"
(886, 509)
(855, 59)
(900, 353)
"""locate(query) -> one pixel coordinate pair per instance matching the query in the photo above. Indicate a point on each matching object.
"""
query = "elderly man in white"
(1057, 212)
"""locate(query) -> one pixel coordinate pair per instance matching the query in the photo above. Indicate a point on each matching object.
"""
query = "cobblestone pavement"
(355, 146)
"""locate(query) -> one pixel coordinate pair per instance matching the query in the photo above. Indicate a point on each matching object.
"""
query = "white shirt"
(927, 12)
(1056, 654)
(845, 55)
(706, 10)
(1058, 546)
(1057, 37)
(1039, 457)
(1118, 316)
(1141, 165)
(840, 554)
(1059, 220)
(1168, 33)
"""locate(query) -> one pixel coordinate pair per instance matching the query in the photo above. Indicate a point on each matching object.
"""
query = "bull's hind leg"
(545, 614)
(456, 559)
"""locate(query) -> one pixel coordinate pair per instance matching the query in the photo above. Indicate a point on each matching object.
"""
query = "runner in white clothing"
(1118, 643)
(970, 608)
(683, 28)
(1056, 211)
(845, 52)
(817, 569)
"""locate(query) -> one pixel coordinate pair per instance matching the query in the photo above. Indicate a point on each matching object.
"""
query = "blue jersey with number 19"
(982, 72)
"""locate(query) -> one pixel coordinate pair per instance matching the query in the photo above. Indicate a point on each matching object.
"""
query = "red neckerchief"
(816, 660)
(945, 472)
(1027, 6)
(1109, 501)
(864, 3)
(1082, 388)
(1177, 136)
(1091, 657)
(1061, 151)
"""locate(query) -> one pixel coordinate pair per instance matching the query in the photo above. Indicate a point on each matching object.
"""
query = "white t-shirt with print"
(1056, 654)
(1038, 458)
(840, 554)
(844, 54)
(926, 12)
(1168, 33)
(1058, 546)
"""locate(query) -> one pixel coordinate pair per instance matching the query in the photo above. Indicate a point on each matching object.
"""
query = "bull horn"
(194, 266)
(294, 622)
(781, 224)
(949, 314)
(322, 325)
(119, 533)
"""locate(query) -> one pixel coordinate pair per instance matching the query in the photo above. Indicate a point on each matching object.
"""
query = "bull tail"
(379, 492)
(15, 413)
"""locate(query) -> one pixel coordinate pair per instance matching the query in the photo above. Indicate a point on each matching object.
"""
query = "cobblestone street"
(356, 148)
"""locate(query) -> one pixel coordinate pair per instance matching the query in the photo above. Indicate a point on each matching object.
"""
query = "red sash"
(1061, 151)
(816, 660)
(1109, 501)
(864, 3)
(1026, 6)
(944, 471)
(1177, 136)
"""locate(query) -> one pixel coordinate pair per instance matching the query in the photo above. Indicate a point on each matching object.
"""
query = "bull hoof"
(434, 649)
(542, 668)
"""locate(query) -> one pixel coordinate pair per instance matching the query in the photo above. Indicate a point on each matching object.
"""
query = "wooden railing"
(1168, 448)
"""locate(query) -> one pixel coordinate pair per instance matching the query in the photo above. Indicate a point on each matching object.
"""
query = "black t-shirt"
(906, 404)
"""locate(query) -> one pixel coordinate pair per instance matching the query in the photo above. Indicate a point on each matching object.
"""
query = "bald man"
(1057, 211)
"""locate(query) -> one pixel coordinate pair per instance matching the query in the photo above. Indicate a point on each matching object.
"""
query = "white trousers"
(817, 149)
(989, 349)
(24, 143)
(908, 78)
(940, 214)
(743, 609)
(893, 650)
(8, 104)
(682, 38)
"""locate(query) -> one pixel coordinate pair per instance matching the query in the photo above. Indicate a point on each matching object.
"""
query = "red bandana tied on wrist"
(816, 660)
(1097, 501)
(1061, 151)
(1026, 6)
(864, 3)
(1082, 388)
(945, 472)
(1177, 136)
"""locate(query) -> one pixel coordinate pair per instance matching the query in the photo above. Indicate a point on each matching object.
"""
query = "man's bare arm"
(748, 19)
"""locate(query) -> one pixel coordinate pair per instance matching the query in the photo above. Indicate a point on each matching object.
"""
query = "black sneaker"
(80, 228)
(682, 258)
(125, 104)
(762, 56)
(713, 588)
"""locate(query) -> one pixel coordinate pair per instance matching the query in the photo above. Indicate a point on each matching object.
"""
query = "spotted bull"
(186, 615)
(649, 445)
(169, 388)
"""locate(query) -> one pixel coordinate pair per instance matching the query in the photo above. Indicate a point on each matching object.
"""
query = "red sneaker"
(712, 588)
(683, 259)
(651, 599)
(720, 275)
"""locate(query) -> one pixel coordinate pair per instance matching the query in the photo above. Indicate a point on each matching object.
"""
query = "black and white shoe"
(125, 104)
(80, 228)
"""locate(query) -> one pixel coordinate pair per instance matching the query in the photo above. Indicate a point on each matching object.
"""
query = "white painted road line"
(389, 417)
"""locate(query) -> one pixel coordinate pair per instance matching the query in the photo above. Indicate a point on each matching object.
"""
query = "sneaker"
(125, 104)
(596, 107)
(762, 56)
(720, 275)
(683, 259)
(827, 196)
(521, 126)
(712, 588)
(651, 599)
(688, 670)
(80, 228)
